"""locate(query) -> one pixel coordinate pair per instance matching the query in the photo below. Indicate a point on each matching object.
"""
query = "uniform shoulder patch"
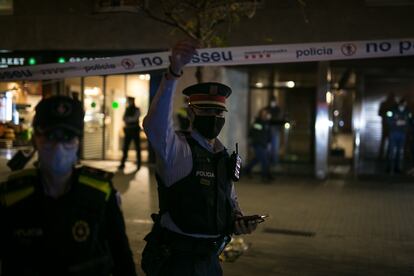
(97, 179)
(96, 173)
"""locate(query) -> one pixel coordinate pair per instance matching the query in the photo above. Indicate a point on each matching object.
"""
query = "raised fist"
(181, 54)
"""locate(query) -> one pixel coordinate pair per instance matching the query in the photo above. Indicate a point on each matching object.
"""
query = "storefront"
(351, 93)
(330, 108)
(294, 88)
(103, 97)
(17, 102)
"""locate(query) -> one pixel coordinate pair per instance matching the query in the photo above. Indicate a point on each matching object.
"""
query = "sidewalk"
(335, 227)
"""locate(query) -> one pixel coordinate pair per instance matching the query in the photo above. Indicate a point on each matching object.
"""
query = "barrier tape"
(217, 57)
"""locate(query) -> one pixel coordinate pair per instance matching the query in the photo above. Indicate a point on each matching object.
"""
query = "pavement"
(333, 227)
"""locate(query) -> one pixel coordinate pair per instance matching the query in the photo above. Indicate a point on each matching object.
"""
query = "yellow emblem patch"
(204, 181)
(80, 231)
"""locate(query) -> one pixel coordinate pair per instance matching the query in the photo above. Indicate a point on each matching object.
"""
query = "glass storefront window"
(115, 106)
(105, 100)
(94, 118)
(73, 88)
(294, 87)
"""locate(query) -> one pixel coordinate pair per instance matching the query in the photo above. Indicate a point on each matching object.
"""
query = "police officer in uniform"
(275, 123)
(198, 205)
(57, 219)
(399, 119)
(385, 107)
(131, 130)
(260, 136)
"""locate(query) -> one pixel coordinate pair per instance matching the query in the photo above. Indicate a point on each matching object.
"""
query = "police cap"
(59, 112)
(208, 95)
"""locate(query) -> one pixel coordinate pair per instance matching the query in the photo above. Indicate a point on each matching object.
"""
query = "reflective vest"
(201, 203)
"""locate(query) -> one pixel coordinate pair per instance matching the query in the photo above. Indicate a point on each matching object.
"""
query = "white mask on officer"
(58, 159)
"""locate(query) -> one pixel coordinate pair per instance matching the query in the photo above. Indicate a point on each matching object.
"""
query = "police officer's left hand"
(242, 226)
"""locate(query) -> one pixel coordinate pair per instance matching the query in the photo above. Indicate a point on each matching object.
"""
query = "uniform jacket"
(259, 133)
(399, 121)
(79, 233)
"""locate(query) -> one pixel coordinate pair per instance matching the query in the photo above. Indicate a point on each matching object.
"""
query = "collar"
(217, 147)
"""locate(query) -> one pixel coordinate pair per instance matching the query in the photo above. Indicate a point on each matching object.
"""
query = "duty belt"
(199, 246)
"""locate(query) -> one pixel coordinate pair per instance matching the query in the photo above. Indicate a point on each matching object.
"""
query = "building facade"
(343, 95)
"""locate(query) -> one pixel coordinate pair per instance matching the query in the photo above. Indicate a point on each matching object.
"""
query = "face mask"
(272, 104)
(208, 126)
(401, 107)
(57, 159)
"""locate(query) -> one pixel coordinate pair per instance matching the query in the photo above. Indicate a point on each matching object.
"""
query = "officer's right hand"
(242, 226)
(181, 54)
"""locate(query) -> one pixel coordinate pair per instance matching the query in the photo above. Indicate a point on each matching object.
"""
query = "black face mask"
(208, 126)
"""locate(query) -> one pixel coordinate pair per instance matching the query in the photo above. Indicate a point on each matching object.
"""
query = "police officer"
(260, 137)
(57, 219)
(276, 121)
(131, 131)
(398, 120)
(198, 206)
(385, 107)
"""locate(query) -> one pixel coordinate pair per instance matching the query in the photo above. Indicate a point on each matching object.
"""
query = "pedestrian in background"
(386, 106)
(398, 120)
(275, 122)
(131, 131)
(198, 204)
(259, 138)
(57, 219)
(410, 143)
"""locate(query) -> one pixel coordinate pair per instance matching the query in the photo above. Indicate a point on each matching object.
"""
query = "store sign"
(266, 54)
(12, 61)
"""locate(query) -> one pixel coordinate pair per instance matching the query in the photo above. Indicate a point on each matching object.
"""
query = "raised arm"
(171, 150)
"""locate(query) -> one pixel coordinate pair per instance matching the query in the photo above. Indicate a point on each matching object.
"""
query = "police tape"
(265, 54)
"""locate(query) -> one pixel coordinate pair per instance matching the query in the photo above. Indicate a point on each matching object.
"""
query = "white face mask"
(273, 104)
(401, 107)
(58, 159)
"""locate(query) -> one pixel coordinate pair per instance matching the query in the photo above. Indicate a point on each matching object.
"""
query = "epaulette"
(97, 179)
(19, 185)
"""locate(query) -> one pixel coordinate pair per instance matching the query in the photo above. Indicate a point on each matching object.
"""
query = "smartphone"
(255, 218)
(20, 159)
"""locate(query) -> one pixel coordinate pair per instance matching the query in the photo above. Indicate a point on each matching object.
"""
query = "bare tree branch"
(200, 19)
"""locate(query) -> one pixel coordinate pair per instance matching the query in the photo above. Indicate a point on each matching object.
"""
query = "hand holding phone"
(254, 218)
(247, 224)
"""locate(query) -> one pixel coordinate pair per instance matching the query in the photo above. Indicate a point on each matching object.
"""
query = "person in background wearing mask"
(275, 124)
(58, 219)
(259, 139)
(131, 130)
(398, 120)
(387, 105)
(198, 204)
